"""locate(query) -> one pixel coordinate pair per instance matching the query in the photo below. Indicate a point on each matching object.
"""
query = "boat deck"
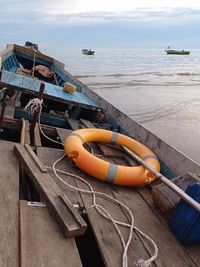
(31, 237)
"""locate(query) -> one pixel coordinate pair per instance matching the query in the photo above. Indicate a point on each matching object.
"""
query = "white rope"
(35, 104)
(105, 214)
(2, 92)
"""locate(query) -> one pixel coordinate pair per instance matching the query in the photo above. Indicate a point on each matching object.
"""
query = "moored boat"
(177, 52)
(67, 105)
(88, 52)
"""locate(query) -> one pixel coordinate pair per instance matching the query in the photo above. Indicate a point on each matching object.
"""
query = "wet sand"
(167, 104)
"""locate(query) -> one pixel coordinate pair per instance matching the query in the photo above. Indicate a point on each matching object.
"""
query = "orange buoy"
(104, 170)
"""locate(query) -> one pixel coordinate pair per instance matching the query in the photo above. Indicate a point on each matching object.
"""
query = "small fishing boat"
(53, 201)
(177, 52)
(88, 52)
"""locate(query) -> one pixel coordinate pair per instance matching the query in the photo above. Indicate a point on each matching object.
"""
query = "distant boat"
(177, 52)
(88, 52)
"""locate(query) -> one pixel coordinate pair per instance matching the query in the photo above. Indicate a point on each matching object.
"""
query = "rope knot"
(34, 105)
(143, 263)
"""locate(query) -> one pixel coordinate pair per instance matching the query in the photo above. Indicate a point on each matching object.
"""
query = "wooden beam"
(25, 132)
(42, 244)
(14, 124)
(3, 107)
(9, 206)
(71, 223)
(36, 137)
(36, 159)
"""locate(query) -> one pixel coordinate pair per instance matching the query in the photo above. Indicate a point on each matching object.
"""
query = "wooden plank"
(42, 243)
(74, 124)
(105, 234)
(10, 110)
(88, 124)
(193, 252)
(36, 159)
(9, 210)
(48, 156)
(70, 223)
(170, 249)
(165, 198)
(111, 151)
(36, 137)
(107, 239)
(30, 52)
(11, 124)
(25, 132)
(63, 133)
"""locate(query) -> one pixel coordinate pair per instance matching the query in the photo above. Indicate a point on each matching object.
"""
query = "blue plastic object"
(185, 220)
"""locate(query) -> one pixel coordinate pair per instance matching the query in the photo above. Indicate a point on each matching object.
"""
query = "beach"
(161, 92)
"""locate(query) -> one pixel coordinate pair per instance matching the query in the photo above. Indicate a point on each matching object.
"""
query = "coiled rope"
(36, 105)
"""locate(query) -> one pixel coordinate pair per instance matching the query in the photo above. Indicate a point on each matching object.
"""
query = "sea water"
(161, 92)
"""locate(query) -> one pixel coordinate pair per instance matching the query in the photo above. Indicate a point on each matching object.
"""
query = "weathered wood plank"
(165, 198)
(9, 111)
(11, 124)
(88, 124)
(36, 136)
(193, 252)
(107, 238)
(25, 133)
(109, 151)
(175, 253)
(9, 209)
(63, 133)
(170, 249)
(70, 223)
(42, 243)
(108, 241)
(48, 156)
(74, 124)
(35, 158)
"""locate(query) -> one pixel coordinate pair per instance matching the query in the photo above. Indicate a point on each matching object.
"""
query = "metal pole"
(166, 181)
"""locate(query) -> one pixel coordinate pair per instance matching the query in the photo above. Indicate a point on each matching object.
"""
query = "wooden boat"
(31, 191)
(177, 52)
(88, 52)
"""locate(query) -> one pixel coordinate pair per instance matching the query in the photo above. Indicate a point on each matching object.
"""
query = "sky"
(101, 23)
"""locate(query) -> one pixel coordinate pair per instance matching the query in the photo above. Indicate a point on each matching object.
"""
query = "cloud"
(40, 22)
(139, 14)
(68, 11)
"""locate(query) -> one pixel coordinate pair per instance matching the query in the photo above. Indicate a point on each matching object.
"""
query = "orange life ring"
(106, 171)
